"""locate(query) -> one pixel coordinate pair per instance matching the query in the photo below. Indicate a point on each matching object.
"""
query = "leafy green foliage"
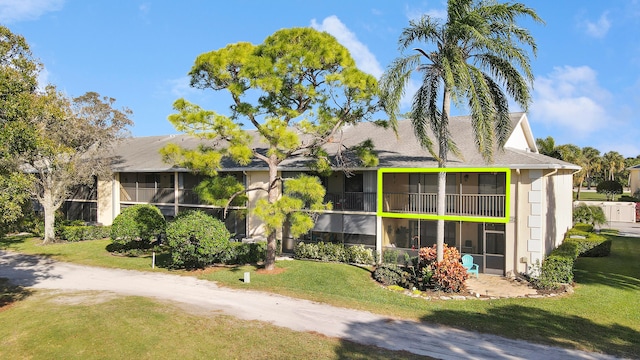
(18, 81)
(14, 199)
(557, 268)
(322, 251)
(196, 240)
(589, 214)
(301, 195)
(611, 188)
(137, 226)
(447, 275)
(218, 190)
(83, 232)
(246, 253)
(359, 254)
(392, 274)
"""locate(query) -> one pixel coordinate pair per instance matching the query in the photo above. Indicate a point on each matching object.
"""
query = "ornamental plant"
(137, 226)
(447, 275)
(196, 239)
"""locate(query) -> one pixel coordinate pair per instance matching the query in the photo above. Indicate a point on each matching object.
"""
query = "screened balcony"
(468, 194)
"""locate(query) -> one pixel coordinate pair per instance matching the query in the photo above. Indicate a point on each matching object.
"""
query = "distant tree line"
(596, 167)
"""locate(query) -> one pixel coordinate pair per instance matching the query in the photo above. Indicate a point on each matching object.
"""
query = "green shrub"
(390, 256)
(557, 268)
(80, 233)
(137, 226)
(589, 214)
(587, 228)
(392, 274)
(196, 240)
(359, 254)
(247, 253)
(610, 188)
(306, 251)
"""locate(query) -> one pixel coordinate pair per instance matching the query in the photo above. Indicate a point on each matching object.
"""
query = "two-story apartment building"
(507, 214)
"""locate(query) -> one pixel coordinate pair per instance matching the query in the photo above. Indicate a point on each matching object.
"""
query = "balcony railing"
(483, 205)
(147, 195)
(352, 201)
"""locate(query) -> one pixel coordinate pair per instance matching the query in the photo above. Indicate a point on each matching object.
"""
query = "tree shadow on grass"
(619, 270)
(541, 326)
(533, 333)
(10, 293)
(9, 242)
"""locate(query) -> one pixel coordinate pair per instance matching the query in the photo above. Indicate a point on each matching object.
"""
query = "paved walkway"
(301, 315)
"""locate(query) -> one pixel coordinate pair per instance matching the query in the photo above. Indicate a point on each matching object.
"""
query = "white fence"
(615, 211)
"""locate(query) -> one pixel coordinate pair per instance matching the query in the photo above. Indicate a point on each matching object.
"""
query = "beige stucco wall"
(634, 181)
(542, 213)
(255, 226)
(105, 201)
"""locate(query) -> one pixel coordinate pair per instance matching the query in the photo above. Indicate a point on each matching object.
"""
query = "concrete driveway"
(300, 315)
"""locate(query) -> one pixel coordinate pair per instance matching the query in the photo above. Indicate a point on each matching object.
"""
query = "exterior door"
(494, 252)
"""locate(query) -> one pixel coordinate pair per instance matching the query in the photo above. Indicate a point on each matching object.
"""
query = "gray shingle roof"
(141, 154)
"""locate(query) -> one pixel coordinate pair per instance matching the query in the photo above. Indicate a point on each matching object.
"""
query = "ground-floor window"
(347, 229)
(80, 210)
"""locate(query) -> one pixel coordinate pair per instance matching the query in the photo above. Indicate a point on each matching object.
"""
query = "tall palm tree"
(593, 163)
(573, 154)
(476, 56)
(613, 161)
(547, 146)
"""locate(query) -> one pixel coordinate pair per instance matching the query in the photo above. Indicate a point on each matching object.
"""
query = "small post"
(247, 277)
(153, 261)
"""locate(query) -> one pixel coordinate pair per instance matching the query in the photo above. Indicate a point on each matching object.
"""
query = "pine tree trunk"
(270, 261)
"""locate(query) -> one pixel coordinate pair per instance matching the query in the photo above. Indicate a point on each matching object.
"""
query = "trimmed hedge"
(196, 240)
(557, 268)
(83, 232)
(246, 253)
(322, 251)
(137, 226)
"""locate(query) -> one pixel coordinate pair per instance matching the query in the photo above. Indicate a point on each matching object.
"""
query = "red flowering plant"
(447, 275)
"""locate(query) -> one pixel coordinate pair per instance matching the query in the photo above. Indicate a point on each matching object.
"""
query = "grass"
(95, 326)
(602, 315)
(594, 196)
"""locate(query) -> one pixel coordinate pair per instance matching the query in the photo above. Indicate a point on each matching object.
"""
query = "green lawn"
(603, 315)
(92, 326)
(594, 196)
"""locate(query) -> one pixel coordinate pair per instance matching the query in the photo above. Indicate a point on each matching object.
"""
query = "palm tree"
(547, 146)
(476, 53)
(612, 161)
(593, 163)
(573, 154)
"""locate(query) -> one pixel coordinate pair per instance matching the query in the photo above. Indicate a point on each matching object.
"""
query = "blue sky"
(586, 92)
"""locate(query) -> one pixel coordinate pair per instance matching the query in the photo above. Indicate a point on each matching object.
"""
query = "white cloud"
(417, 13)
(365, 60)
(12, 11)
(571, 98)
(599, 28)
(181, 87)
